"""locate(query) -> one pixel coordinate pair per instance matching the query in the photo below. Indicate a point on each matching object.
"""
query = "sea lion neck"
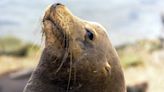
(55, 71)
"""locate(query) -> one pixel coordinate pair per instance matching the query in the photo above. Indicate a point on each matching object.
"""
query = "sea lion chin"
(78, 56)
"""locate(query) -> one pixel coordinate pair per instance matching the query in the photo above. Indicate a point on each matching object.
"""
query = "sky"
(125, 20)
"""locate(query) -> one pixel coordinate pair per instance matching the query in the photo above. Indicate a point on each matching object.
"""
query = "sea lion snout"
(59, 25)
(50, 9)
(53, 26)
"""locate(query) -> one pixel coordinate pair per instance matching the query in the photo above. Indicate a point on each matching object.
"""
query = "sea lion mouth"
(56, 29)
(53, 16)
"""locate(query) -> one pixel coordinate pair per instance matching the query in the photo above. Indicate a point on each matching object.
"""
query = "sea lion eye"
(89, 34)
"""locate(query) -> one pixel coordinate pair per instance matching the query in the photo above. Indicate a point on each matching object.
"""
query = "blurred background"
(135, 27)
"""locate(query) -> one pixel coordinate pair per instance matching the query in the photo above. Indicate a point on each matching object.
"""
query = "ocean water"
(125, 20)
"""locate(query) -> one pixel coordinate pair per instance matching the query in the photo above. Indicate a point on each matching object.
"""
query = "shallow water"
(125, 20)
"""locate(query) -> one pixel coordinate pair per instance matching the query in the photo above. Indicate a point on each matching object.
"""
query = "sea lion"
(78, 56)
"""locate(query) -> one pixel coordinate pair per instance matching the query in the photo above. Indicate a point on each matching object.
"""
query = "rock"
(141, 87)
(14, 82)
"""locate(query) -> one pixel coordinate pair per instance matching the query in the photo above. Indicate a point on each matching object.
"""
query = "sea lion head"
(79, 54)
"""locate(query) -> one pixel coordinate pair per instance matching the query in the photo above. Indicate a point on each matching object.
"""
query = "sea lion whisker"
(54, 61)
(70, 73)
(63, 61)
(66, 51)
(74, 75)
(43, 34)
(36, 55)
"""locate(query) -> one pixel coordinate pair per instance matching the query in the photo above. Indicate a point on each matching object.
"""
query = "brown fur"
(71, 62)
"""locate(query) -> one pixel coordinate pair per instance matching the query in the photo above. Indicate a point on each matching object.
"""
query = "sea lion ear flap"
(107, 69)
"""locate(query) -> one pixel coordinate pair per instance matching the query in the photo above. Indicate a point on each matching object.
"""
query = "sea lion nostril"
(55, 5)
(58, 4)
